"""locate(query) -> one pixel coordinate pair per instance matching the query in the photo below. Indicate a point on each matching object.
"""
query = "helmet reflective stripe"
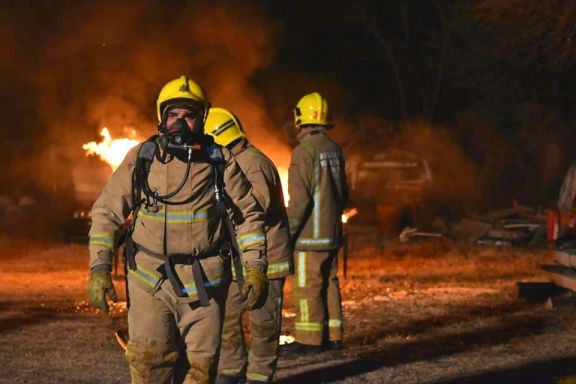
(224, 126)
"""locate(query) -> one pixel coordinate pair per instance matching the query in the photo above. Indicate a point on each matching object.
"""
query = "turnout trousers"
(317, 299)
(158, 322)
(259, 364)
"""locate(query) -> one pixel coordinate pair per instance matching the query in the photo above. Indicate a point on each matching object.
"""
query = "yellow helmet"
(223, 125)
(181, 91)
(312, 109)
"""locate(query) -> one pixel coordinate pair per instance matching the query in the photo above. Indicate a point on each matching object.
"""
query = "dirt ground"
(433, 312)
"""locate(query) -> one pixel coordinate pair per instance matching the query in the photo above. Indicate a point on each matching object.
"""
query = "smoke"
(95, 64)
(454, 174)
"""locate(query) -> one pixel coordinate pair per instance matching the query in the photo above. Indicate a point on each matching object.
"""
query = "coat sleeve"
(110, 211)
(300, 188)
(250, 220)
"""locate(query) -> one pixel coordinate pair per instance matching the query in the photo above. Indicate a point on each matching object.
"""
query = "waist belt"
(169, 261)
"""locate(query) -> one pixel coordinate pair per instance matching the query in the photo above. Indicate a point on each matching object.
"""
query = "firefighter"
(176, 249)
(318, 194)
(264, 322)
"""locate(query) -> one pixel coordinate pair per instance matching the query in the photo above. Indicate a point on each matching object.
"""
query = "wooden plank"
(561, 275)
(565, 259)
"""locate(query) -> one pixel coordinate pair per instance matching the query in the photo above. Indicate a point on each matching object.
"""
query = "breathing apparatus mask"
(180, 137)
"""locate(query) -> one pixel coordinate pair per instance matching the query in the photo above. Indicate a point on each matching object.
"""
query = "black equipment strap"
(224, 212)
(171, 273)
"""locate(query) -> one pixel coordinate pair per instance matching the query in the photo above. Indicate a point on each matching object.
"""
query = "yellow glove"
(100, 285)
(255, 288)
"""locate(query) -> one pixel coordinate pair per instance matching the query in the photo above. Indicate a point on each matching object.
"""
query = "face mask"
(180, 133)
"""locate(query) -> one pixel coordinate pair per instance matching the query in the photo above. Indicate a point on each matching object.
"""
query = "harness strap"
(223, 213)
(173, 278)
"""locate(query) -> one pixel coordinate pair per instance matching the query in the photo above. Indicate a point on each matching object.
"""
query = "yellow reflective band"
(150, 278)
(103, 239)
(256, 377)
(175, 217)
(278, 267)
(251, 239)
(309, 327)
(335, 323)
(316, 210)
(232, 371)
(304, 310)
(102, 243)
(301, 269)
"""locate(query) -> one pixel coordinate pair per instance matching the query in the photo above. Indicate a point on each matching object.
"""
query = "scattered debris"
(413, 234)
(121, 339)
(520, 226)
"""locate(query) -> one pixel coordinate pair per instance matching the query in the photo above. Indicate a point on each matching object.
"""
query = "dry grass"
(440, 308)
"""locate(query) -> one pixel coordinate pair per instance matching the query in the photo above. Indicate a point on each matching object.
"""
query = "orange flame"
(111, 151)
(349, 214)
(283, 172)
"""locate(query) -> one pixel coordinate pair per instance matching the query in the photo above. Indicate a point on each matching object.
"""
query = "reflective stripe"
(148, 277)
(301, 269)
(314, 241)
(251, 239)
(232, 371)
(256, 377)
(316, 212)
(175, 217)
(191, 288)
(335, 323)
(278, 267)
(304, 310)
(103, 239)
(309, 327)
(223, 127)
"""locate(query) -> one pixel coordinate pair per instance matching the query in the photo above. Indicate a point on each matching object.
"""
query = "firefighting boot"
(296, 349)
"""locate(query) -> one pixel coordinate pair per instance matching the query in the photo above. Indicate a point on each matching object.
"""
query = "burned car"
(390, 189)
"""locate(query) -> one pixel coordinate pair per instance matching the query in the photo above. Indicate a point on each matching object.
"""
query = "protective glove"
(100, 285)
(255, 288)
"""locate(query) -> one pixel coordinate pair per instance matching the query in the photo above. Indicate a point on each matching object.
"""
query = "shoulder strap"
(216, 158)
(146, 155)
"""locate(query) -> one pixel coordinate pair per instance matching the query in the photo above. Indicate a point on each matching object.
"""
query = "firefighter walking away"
(318, 194)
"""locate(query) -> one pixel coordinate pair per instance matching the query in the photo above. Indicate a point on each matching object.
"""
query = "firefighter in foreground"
(318, 194)
(260, 364)
(176, 250)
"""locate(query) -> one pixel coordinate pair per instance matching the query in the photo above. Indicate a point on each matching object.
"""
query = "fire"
(283, 172)
(349, 214)
(111, 151)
